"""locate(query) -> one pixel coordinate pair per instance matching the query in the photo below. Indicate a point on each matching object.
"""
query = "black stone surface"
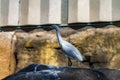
(45, 72)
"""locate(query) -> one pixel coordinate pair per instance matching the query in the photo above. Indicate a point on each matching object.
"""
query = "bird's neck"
(58, 35)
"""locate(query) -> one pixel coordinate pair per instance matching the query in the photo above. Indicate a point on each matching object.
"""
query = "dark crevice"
(30, 47)
(16, 60)
(87, 59)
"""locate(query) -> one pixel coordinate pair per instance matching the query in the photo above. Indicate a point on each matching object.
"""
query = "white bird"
(67, 48)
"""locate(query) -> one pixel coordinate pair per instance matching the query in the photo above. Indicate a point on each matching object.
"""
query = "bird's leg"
(69, 62)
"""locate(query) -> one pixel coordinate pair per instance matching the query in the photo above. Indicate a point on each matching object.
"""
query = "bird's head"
(54, 26)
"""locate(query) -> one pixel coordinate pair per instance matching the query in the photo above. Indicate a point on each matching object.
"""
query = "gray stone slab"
(13, 12)
(44, 17)
(34, 12)
(105, 10)
(115, 10)
(64, 11)
(0, 12)
(23, 15)
(4, 12)
(109, 10)
(94, 10)
(83, 11)
(54, 11)
(38, 12)
(72, 14)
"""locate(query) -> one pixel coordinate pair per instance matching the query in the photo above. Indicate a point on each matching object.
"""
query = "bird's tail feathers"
(81, 58)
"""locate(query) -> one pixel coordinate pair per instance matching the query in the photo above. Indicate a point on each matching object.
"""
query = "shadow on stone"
(44, 72)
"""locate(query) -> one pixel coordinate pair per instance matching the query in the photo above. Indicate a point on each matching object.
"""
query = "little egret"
(67, 48)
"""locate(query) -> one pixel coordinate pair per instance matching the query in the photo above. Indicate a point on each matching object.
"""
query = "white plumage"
(67, 48)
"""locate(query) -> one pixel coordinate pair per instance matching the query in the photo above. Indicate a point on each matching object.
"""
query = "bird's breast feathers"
(71, 51)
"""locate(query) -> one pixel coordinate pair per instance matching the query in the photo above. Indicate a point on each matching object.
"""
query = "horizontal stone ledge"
(45, 72)
(79, 25)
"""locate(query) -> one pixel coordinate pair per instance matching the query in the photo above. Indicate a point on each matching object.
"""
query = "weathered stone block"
(7, 60)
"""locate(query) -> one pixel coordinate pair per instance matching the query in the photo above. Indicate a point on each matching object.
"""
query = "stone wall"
(100, 46)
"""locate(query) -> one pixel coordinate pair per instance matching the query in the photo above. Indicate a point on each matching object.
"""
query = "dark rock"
(44, 72)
